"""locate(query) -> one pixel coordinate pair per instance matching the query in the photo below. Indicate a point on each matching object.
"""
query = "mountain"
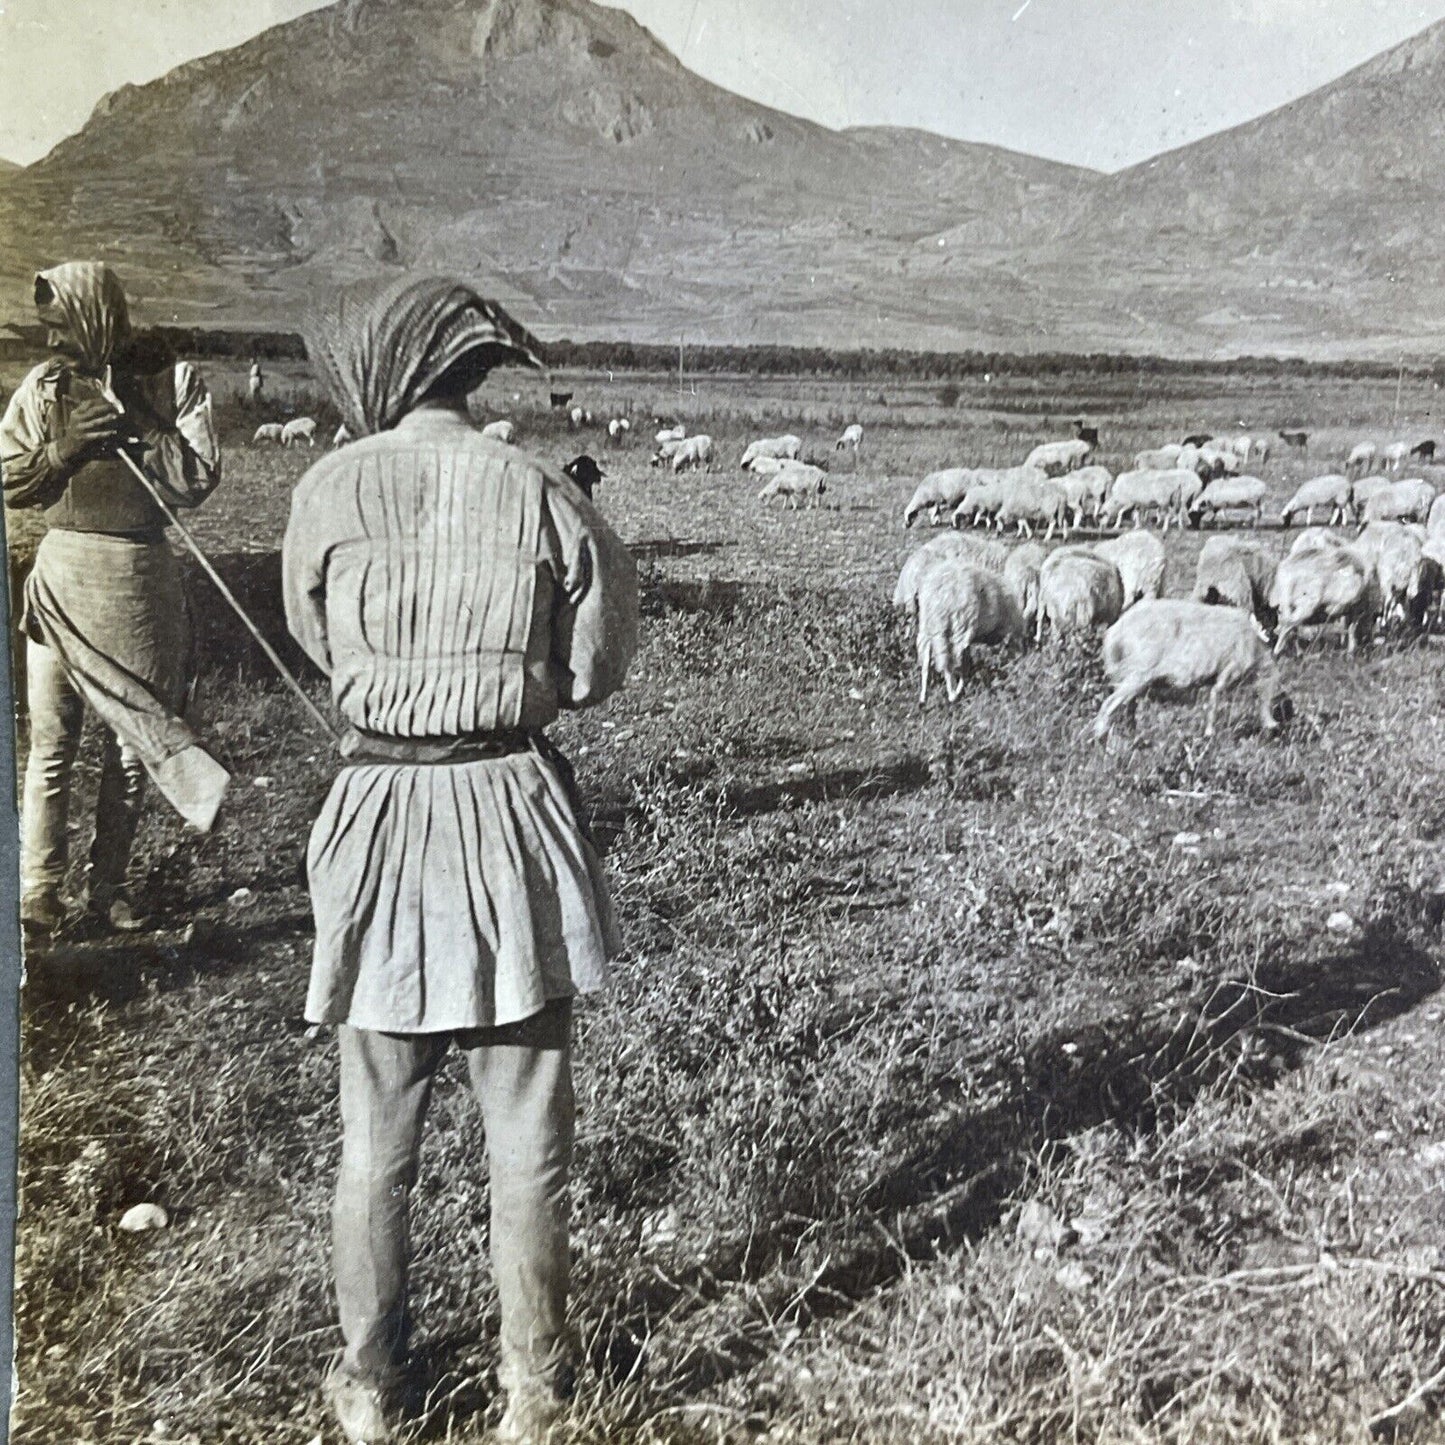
(556, 152)
(552, 148)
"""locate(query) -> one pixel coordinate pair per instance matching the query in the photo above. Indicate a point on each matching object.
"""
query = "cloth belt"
(359, 747)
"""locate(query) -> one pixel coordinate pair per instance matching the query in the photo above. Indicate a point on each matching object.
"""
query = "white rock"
(262, 782)
(1340, 922)
(140, 1218)
(241, 897)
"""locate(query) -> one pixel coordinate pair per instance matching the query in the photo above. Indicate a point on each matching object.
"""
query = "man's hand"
(91, 427)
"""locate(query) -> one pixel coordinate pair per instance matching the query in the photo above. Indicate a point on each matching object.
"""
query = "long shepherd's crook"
(287, 676)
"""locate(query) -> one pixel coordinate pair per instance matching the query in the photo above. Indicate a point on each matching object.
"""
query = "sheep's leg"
(923, 668)
(1125, 695)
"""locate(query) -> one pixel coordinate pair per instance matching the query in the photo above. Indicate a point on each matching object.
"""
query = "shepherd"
(104, 616)
(458, 594)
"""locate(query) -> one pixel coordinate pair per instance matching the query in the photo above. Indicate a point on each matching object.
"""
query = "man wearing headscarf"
(458, 593)
(104, 613)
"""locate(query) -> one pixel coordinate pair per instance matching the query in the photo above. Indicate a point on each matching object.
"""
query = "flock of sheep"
(963, 590)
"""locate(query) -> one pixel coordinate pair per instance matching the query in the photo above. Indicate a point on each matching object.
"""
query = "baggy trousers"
(57, 716)
(521, 1075)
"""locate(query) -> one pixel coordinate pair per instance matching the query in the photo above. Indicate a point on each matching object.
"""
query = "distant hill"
(555, 151)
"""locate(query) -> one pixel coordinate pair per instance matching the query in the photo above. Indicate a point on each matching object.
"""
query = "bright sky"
(1098, 82)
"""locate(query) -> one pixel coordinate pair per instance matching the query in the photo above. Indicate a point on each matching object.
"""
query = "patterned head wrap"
(87, 301)
(380, 346)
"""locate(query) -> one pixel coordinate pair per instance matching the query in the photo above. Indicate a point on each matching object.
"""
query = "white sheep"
(1217, 459)
(786, 447)
(1140, 559)
(1229, 493)
(1169, 644)
(1394, 455)
(852, 437)
(1078, 591)
(269, 431)
(1234, 573)
(1054, 458)
(579, 416)
(1032, 499)
(766, 466)
(1242, 447)
(1435, 522)
(1021, 571)
(979, 551)
(670, 434)
(1333, 491)
(299, 429)
(798, 483)
(1366, 488)
(937, 491)
(617, 429)
(982, 499)
(1085, 491)
(1160, 459)
(1400, 502)
(959, 607)
(1168, 493)
(501, 431)
(1362, 455)
(1262, 449)
(1404, 576)
(665, 451)
(1323, 584)
(694, 452)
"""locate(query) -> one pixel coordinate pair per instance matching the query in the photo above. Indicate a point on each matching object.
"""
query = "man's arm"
(186, 458)
(35, 466)
(303, 576)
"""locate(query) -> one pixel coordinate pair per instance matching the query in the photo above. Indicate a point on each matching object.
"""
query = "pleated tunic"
(450, 585)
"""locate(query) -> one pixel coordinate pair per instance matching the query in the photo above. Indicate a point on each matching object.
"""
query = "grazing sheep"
(585, 472)
(299, 429)
(1362, 455)
(502, 431)
(665, 452)
(1228, 493)
(1021, 572)
(768, 466)
(1055, 458)
(1424, 450)
(852, 437)
(1235, 573)
(1169, 644)
(1366, 488)
(797, 483)
(1316, 539)
(1262, 448)
(981, 499)
(1400, 502)
(977, 551)
(1031, 499)
(342, 436)
(671, 434)
(1160, 459)
(1394, 455)
(962, 606)
(579, 416)
(268, 432)
(1435, 522)
(1078, 591)
(1406, 577)
(1242, 446)
(1140, 559)
(938, 490)
(1085, 490)
(1323, 584)
(694, 452)
(1296, 441)
(1332, 491)
(1216, 460)
(1168, 493)
(783, 448)
(617, 429)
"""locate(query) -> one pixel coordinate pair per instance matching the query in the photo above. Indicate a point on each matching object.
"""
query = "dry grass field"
(962, 1080)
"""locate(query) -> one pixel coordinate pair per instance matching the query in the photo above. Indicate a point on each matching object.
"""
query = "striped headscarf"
(87, 301)
(379, 346)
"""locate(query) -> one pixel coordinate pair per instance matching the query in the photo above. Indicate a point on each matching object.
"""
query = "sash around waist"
(359, 746)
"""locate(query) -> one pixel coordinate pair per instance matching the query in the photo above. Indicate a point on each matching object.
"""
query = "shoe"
(114, 911)
(42, 914)
(360, 1408)
(530, 1416)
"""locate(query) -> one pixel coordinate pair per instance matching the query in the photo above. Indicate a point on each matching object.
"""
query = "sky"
(1101, 83)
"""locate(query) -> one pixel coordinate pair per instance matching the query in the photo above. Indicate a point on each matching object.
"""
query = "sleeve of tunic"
(594, 630)
(309, 536)
(186, 458)
(30, 468)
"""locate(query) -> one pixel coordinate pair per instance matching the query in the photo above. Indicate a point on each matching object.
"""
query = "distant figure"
(255, 383)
